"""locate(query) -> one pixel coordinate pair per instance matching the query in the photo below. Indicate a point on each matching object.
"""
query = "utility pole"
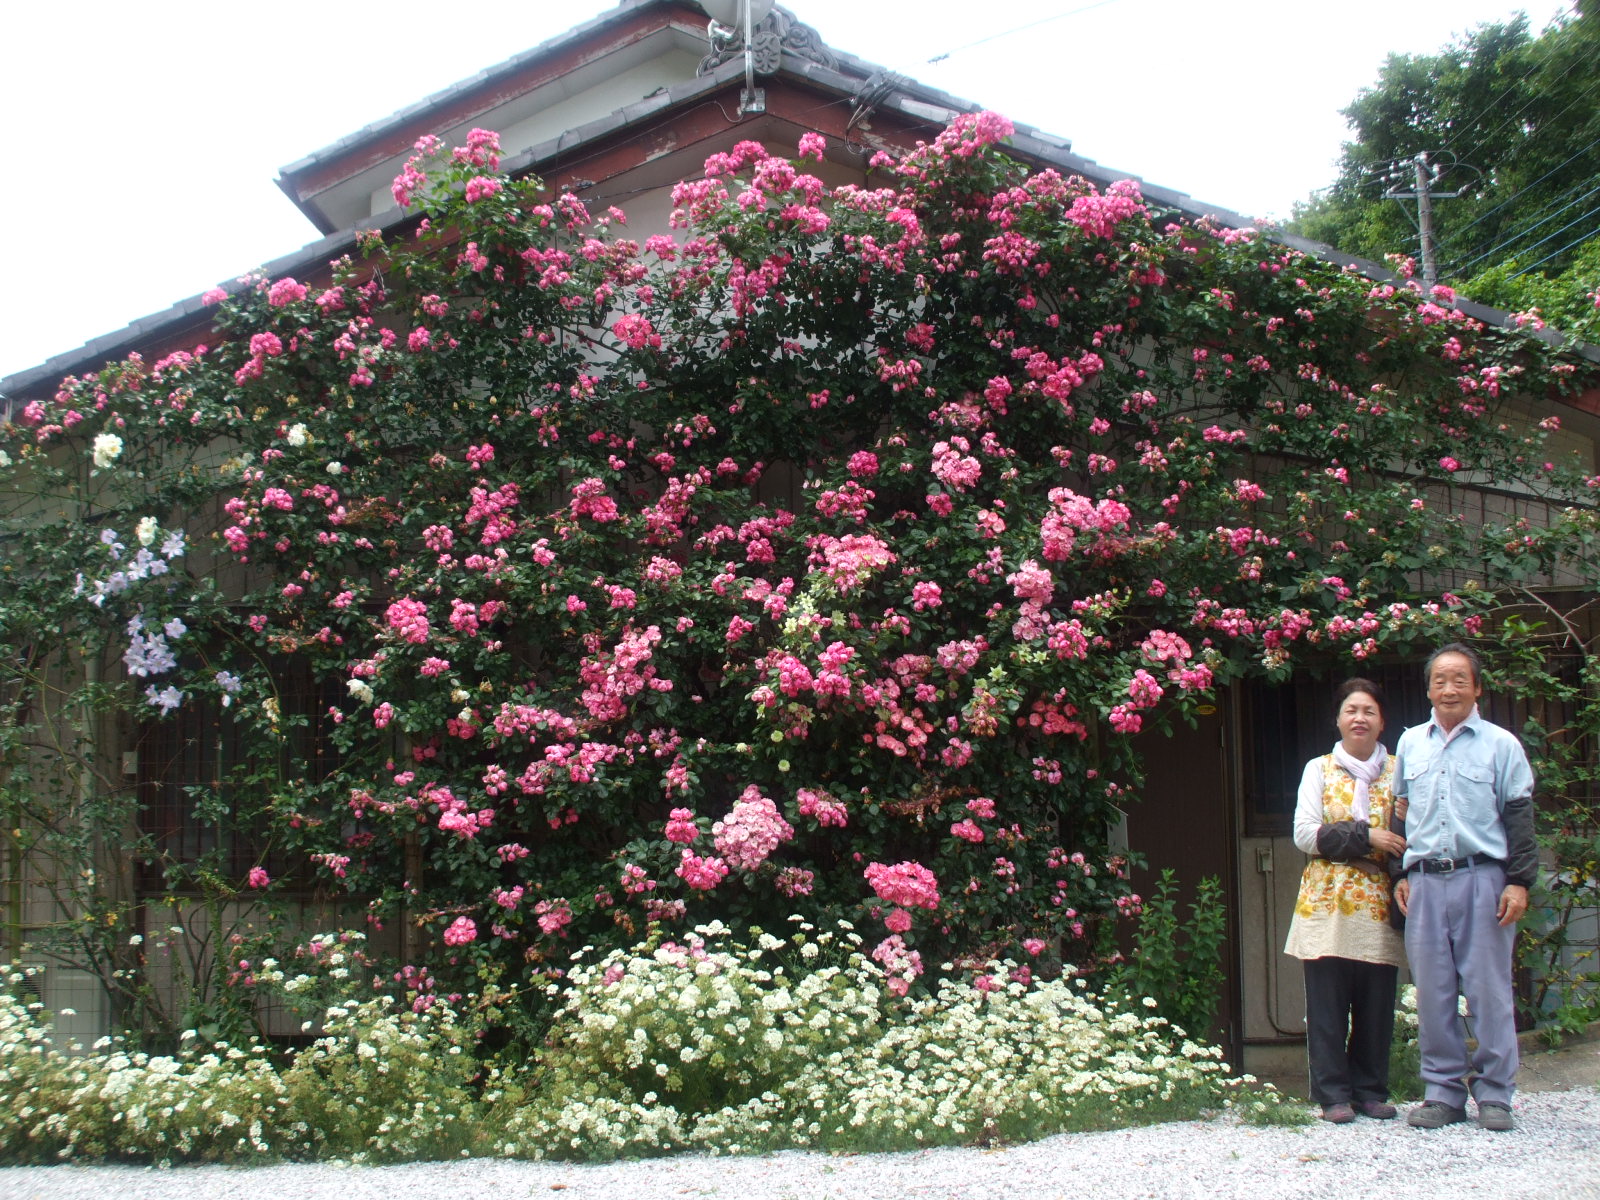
(1424, 196)
(1430, 268)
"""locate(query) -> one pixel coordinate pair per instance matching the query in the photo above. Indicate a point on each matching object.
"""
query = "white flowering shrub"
(720, 1046)
(387, 1084)
(1405, 1057)
(223, 1105)
(381, 1085)
(226, 1104)
(44, 1094)
(717, 1042)
(649, 1040)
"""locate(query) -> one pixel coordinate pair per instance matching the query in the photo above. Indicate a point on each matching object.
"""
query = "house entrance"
(1184, 823)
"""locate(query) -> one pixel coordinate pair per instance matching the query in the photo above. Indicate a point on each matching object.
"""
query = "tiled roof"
(853, 77)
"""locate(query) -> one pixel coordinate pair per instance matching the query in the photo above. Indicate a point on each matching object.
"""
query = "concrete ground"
(1575, 1063)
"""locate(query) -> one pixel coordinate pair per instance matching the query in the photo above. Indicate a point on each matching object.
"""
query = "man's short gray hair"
(1466, 652)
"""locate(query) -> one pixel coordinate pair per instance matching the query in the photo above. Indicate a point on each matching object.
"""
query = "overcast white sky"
(145, 137)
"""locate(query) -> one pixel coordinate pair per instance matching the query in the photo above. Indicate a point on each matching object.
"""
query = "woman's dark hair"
(1351, 686)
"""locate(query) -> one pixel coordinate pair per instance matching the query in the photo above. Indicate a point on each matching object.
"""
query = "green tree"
(1511, 120)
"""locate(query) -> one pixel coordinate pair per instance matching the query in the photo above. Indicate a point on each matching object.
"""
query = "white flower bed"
(710, 1043)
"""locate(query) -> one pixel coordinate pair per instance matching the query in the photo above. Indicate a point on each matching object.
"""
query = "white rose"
(298, 436)
(359, 689)
(146, 530)
(335, 468)
(107, 446)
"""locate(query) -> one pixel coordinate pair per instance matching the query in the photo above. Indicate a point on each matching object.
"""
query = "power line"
(1552, 123)
(1526, 187)
(1537, 64)
(1534, 217)
(1583, 238)
(994, 37)
(1554, 253)
(1459, 267)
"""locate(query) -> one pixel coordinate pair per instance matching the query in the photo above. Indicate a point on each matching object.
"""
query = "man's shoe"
(1377, 1110)
(1435, 1114)
(1496, 1116)
(1338, 1114)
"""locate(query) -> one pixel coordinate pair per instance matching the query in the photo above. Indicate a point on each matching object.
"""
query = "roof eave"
(912, 101)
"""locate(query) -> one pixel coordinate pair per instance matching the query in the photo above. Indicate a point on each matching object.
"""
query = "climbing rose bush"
(839, 551)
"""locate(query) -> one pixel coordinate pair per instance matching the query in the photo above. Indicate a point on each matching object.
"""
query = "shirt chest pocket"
(1422, 781)
(1474, 783)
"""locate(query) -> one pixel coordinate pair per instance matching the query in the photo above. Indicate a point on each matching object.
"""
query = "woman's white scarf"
(1364, 773)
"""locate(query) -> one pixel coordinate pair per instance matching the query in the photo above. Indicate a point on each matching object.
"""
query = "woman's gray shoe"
(1435, 1114)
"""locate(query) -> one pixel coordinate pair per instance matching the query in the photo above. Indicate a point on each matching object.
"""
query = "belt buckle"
(1444, 866)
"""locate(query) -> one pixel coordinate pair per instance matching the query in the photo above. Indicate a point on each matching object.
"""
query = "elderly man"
(1470, 859)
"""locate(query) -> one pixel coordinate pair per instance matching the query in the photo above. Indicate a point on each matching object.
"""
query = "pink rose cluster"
(900, 964)
(953, 467)
(554, 917)
(701, 874)
(454, 815)
(610, 679)
(907, 884)
(851, 560)
(749, 834)
(285, 291)
(1103, 525)
(681, 827)
(794, 882)
(409, 619)
(1030, 581)
(822, 807)
(1098, 215)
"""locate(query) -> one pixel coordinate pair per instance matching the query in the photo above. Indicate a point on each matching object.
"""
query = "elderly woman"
(1341, 927)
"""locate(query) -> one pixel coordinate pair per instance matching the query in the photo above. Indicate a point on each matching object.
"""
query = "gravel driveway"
(1553, 1153)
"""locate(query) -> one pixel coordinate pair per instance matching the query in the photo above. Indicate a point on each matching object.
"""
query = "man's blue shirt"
(1457, 790)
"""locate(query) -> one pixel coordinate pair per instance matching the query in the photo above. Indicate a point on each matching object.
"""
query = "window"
(1287, 724)
(201, 791)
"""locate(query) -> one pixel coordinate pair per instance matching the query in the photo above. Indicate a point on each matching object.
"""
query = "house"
(617, 111)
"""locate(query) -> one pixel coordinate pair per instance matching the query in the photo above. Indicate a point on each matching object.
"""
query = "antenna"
(749, 14)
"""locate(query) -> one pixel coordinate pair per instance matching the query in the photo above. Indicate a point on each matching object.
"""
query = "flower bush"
(709, 1043)
(651, 1041)
(727, 1047)
(1405, 1056)
(386, 1084)
(836, 552)
(227, 1104)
